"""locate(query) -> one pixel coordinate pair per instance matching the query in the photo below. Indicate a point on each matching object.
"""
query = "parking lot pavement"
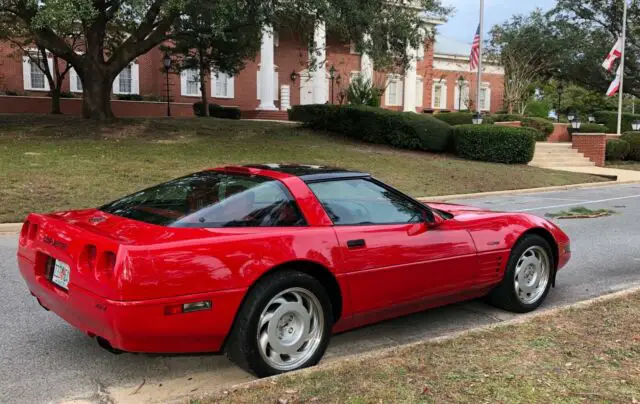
(44, 359)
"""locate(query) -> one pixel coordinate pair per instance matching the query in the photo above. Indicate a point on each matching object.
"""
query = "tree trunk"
(96, 89)
(55, 101)
(203, 89)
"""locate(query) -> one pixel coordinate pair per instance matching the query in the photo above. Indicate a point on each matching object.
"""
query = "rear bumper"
(139, 326)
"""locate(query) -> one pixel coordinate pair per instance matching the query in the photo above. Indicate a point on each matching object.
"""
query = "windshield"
(211, 199)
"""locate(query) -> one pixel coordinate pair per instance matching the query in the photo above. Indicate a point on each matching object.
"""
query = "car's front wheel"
(283, 325)
(527, 279)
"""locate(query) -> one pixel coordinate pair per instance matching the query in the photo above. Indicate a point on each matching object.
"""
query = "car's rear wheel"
(283, 325)
(527, 279)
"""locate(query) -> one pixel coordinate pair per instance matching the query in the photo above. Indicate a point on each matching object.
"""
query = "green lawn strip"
(51, 163)
(589, 354)
(581, 213)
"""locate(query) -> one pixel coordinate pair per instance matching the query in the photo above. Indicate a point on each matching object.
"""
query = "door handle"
(352, 244)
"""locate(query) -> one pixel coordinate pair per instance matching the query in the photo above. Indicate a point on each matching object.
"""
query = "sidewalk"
(623, 175)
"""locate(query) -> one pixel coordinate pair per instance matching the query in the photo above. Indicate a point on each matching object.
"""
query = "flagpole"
(624, 43)
(479, 84)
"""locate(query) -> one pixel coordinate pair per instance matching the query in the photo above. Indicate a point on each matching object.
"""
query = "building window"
(127, 81)
(439, 95)
(222, 85)
(394, 91)
(485, 98)
(462, 100)
(190, 83)
(75, 81)
(419, 91)
(34, 77)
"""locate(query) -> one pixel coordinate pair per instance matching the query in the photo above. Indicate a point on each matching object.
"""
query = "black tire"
(504, 295)
(241, 346)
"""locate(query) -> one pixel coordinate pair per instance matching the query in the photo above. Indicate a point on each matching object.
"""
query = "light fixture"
(293, 76)
(635, 125)
(167, 61)
(592, 119)
(571, 116)
(477, 119)
(332, 72)
(576, 124)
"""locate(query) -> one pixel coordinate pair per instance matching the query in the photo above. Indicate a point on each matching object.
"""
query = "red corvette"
(264, 262)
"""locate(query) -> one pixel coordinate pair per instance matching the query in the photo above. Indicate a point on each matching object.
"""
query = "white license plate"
(61, 273)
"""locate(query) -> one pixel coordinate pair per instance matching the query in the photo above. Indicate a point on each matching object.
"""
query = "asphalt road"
(45, 360)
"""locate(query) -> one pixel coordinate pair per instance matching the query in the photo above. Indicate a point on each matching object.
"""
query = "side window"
(362, 202)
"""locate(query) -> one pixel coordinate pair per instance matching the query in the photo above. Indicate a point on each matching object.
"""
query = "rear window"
(211, 200)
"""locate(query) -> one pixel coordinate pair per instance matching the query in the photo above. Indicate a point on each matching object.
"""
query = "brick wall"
(592, 145)
(450, 78)
(73, 106)
(512, 124)
(560, 133)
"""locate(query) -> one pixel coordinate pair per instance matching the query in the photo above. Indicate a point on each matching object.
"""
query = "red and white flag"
(614, 55)
(474, 58)
(615, 85)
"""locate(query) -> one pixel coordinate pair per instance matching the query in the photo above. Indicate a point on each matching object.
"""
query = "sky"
(464, 22)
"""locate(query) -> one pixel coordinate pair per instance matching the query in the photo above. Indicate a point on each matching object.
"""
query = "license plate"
(61, 273)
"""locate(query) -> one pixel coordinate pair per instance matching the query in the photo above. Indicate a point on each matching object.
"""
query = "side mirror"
(435, 221)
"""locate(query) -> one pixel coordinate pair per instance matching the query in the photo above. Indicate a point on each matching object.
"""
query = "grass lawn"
(55, 163)
(628, 165)
(581, 355)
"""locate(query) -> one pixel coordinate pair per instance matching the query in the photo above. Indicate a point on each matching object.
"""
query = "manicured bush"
(455, 118)
(544, 126)
(591, 128)
(130, 97)
(376, 125)
(217, 111)
(633, 138)
(493, 143)
(538, 109)
(617, 149)
(610, 120)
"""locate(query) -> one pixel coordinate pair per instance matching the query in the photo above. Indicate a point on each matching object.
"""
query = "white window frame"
(73, 81)
(230, 85)
(353, 48)
(353, 75)
(443, 95)
(276, 83)
(419, 91)
(135, 81)
(183, 83)
(486, 86)
(457, 99)
(26, 73)
(396, 80)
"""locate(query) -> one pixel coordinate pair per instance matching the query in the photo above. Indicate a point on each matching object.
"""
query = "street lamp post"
(560, 90)
(167, 67)
(460, 86)
(332, 76)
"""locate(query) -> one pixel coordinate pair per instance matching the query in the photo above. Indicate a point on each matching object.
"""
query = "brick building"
(277, 78)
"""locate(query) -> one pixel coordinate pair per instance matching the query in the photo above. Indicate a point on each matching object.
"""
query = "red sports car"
(264, 262)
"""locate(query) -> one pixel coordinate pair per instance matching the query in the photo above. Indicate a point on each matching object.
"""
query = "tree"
(589, 29)
(115, 32)
(214, 37)
(527, 48)
(19, 36)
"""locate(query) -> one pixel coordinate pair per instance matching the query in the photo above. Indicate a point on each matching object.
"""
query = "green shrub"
(456, 118)
(361, 91)
(538, 109)
(633, 138)
(376, 125)
(610, 120)
(493, 143)
(590, 128)
(217, 111)
(130, 97)
(618, 149)
(12, 93)
(544, 126)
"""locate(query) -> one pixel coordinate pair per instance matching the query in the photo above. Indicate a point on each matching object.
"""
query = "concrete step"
(562, 164)
(559, 155)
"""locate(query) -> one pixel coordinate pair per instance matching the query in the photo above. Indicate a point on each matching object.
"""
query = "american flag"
(475, 51)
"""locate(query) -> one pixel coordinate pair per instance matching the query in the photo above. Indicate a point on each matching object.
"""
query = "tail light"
(88, 258)
(106, 265)
(33, 231)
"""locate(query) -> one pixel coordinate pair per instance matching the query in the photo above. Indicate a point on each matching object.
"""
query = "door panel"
(399, 264)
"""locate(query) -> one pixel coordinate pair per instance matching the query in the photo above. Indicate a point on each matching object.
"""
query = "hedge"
(617, 149)
(610, 120)
(217, 111)
(591, 128)
(404, 130)
(496, 144)
(455, 118)
(544, 126)
(130, 97)
(634, 144)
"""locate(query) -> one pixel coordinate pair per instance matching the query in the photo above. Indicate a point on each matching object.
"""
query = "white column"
(410, 82)
(267, 71)
(366, 63)
(319, 72)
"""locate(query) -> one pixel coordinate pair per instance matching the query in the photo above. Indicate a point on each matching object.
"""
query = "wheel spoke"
(264, 319)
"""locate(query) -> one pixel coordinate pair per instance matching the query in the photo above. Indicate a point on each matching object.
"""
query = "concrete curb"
(10, 228)
(525, 191)
(385, 352)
